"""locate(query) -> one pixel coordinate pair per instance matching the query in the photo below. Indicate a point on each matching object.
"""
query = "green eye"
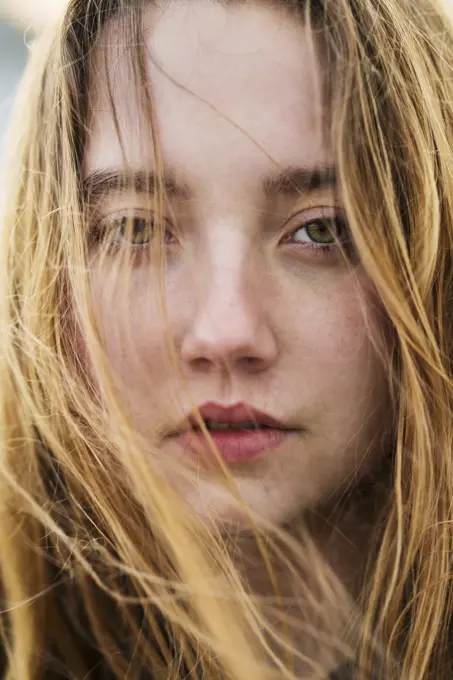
(136, 232)
(126, 232)
(323, 231)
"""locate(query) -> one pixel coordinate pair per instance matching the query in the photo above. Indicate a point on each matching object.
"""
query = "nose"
(231, 327)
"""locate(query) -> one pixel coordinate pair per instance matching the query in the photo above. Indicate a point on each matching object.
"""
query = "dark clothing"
(345, 672)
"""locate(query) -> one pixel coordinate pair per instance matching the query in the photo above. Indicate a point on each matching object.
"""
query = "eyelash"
(339, 231)
(99, 234)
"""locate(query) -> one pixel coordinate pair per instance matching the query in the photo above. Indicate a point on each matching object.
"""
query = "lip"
(236, 413)
(233, 445)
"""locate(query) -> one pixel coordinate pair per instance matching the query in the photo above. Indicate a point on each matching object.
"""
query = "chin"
(216, 504)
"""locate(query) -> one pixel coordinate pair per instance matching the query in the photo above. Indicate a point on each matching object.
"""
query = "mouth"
(239, 433)
(214, 426)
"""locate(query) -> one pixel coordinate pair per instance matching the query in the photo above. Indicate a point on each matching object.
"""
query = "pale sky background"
(13, 56)
(26, 14)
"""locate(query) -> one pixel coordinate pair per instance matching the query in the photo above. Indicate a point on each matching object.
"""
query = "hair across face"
(246, 205)
(262, 305)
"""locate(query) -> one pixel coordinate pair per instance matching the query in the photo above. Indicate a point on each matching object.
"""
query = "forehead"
(235, 88)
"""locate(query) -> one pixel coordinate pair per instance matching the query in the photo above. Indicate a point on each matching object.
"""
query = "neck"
(320, 583)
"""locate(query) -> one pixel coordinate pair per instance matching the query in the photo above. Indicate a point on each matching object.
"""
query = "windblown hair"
(104, 570)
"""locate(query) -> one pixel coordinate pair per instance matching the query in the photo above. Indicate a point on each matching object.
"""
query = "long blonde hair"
(102, 565)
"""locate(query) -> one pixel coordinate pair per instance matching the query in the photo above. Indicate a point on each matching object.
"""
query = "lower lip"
(235, 445)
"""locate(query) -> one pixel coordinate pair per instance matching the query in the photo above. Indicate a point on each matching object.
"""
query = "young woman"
(226, 310)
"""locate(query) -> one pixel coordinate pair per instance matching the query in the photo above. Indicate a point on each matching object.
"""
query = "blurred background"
(13, 56)
(19, 20)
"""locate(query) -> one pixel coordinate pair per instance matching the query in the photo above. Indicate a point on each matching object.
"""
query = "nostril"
(202, 363)
(228, 343)
(251, 361)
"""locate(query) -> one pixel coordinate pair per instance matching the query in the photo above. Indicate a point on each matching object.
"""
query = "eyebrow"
(290, 182)
(294, 181)
(100, 183)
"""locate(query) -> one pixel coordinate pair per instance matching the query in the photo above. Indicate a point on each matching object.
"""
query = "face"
(262, 308)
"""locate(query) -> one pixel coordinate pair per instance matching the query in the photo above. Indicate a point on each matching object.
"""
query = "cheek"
(134, 333)
(336, 370)
(332, 327)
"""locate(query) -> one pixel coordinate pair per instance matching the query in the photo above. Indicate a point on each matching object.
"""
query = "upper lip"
(228, 415)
